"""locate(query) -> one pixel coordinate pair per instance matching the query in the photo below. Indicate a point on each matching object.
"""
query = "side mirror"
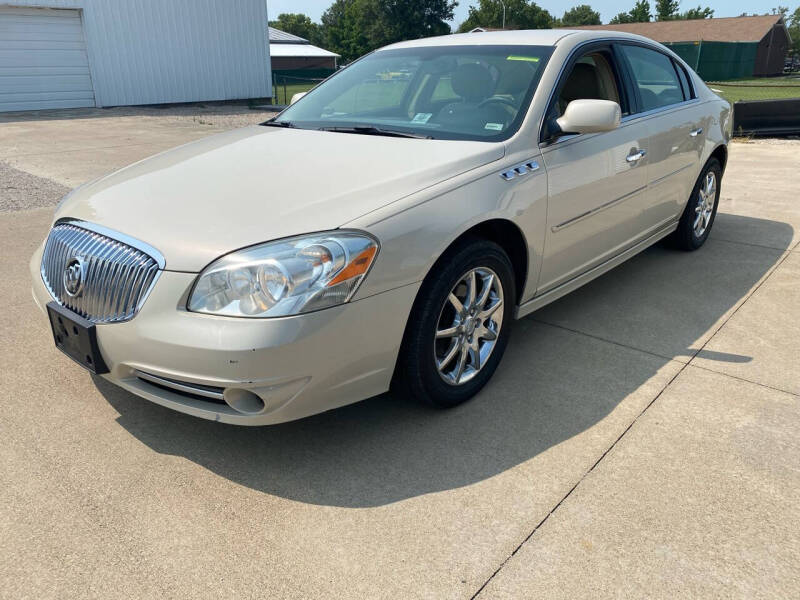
(590, 116)
(297, 97)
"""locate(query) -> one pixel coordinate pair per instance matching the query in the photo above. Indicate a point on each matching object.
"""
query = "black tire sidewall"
(686, 237)
(417, 368)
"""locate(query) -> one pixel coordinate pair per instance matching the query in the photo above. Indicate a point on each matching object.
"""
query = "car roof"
(525, 37)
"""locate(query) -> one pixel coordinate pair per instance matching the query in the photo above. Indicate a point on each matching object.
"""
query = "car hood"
(207, 198)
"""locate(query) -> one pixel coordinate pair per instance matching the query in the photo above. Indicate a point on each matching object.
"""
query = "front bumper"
(297, 366)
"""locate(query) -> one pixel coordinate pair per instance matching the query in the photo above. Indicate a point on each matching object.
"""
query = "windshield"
(445, 92)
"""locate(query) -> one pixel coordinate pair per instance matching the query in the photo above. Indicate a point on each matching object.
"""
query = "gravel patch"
(22, 191)
(213, 116)
(759, 141)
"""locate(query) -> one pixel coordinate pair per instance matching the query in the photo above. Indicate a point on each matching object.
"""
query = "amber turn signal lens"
(357, 266)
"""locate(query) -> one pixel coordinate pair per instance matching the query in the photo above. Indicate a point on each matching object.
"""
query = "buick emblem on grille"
(74, 276)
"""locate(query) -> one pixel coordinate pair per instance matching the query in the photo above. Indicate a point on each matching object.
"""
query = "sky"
(607, 8)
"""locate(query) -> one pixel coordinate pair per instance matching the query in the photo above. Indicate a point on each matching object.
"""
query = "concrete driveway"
(639, 440)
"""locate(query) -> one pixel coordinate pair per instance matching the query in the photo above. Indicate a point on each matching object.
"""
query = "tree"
(520, 14)
(640, 13)
(697, 13)
(300, 25)
(783, 11)
(580, 15)
(414, 19)
(793, 24)
(353, 28)
(667, 10)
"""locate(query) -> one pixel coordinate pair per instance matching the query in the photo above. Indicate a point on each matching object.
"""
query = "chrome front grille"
(108, 279)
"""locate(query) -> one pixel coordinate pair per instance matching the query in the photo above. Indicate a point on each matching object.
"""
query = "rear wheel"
(698, 216)
(459, 326)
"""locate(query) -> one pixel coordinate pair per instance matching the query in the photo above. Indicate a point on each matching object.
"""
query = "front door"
(597, 183)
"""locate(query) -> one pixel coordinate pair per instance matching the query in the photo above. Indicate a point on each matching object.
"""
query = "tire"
(690, 236)
(422, 355)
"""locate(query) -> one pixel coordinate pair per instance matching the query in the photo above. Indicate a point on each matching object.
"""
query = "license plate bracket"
(76, 337)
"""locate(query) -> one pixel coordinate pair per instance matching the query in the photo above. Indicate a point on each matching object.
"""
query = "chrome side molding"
(520, 170)
(594, 211)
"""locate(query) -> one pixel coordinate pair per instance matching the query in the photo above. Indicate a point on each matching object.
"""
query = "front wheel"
(459, 326)
(698, 216)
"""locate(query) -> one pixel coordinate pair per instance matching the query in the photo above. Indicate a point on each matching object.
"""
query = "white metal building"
(74, 53)
(290, 51)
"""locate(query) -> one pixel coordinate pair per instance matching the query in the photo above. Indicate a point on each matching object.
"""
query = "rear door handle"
(639, 155)
(696, 132)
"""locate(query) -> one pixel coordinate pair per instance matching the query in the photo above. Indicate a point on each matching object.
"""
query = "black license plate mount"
(76, 337)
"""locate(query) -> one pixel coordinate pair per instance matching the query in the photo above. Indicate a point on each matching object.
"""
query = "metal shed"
(290, 53)
(74, 53)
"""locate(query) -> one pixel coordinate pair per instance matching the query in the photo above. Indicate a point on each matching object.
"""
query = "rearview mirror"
(297, 97)
(590, 116)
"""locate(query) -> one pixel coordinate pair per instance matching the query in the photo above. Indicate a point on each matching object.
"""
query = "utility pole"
(504, 13)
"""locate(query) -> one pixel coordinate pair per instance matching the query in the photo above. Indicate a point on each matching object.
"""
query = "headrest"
(472, 82)
(582, 83)
(516, 78)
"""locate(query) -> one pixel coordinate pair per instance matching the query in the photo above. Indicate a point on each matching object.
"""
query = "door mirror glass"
(590, 116)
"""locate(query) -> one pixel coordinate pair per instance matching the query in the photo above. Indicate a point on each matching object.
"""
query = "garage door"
(43, 61)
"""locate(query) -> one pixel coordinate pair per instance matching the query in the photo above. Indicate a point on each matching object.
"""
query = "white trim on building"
(285, 44)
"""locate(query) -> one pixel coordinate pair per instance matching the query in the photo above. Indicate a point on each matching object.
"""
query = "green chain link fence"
(284, 85)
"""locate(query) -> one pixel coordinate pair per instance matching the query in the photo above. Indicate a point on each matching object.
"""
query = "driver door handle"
(696, 132)
(637, 156)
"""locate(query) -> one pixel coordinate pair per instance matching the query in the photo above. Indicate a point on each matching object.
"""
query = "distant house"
(293, 53)
(720, 49)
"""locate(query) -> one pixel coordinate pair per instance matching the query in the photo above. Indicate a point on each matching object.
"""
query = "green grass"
(284, 94)
(776, 88)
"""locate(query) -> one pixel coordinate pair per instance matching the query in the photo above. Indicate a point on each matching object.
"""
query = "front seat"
(582, 83)
(472, 83)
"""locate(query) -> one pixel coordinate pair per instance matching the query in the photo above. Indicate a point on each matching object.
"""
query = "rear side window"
(687, 88)
(655, 77)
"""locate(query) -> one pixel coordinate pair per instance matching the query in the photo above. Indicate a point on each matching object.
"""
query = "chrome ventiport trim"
(196, 389)
(520, 170)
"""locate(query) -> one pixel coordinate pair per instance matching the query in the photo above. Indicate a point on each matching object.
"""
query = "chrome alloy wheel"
(469, 325)
(706, 198)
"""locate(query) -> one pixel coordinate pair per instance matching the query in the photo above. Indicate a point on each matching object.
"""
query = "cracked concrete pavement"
(639, 439)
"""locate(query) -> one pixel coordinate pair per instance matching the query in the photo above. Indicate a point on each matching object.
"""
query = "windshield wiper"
(370, 130)
(274, 123)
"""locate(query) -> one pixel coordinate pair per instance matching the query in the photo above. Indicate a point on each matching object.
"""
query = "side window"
(592, 77)
(655, 76)
(688, 94)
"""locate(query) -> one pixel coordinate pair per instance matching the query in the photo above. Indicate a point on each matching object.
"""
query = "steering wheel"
(498, 100)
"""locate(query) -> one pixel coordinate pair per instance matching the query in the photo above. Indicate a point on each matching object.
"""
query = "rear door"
(596, 182)
(677, 126)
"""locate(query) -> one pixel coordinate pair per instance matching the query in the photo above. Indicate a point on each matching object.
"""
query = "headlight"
(286, 277)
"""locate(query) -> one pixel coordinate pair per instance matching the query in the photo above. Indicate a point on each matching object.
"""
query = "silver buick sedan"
(386, 229)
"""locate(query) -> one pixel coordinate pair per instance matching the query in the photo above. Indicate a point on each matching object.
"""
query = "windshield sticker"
(494, 126)
(525, 58)
(421, 117)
